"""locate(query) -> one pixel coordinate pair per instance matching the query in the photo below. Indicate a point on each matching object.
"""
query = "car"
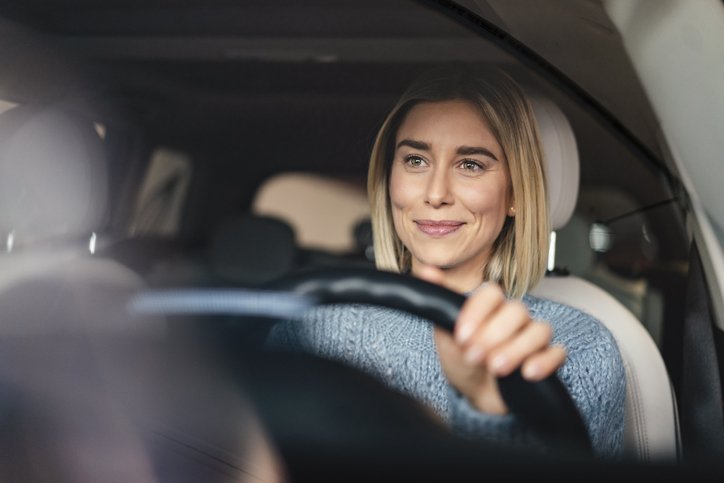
(161, 161)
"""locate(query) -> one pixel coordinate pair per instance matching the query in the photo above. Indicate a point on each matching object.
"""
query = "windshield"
(223, 146)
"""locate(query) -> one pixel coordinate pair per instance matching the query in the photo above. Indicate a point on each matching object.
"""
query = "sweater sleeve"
(593, 373)
(399, 349)
(468, 422)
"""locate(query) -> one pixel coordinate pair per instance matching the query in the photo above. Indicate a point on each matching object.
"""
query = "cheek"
(400, 190)
(397, 206)
(401, 200)
(491, 200)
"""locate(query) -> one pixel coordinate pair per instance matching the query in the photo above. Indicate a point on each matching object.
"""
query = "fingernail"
(464, 334)
(497, 363)
(474, 355)
(530, 372)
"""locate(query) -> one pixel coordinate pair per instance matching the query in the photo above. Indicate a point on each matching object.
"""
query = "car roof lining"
(202, 100)
(342, 31)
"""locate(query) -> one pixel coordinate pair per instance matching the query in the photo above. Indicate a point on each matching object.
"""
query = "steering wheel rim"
(545, 405)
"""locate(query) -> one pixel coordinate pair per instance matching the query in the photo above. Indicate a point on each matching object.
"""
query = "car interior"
(155, 145)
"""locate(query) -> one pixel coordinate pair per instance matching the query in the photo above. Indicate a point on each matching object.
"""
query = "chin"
(441, 261)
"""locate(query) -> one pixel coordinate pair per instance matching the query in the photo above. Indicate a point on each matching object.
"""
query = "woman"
(457, 193)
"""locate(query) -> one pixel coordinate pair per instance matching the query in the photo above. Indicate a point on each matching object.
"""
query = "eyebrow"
(414, 144)
(462, 150)
(472, 150)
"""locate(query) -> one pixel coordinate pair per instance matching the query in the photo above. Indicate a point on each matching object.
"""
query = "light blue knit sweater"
(399, 349)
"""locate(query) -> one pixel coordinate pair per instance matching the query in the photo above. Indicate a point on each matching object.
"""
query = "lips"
(438, 228)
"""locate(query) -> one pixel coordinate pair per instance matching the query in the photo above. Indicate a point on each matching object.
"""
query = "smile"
(438, 228)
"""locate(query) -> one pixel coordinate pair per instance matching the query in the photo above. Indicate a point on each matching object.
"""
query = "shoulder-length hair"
(518, 258)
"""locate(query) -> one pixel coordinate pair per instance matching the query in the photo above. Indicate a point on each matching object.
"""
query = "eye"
(415, 161)
(471, 165)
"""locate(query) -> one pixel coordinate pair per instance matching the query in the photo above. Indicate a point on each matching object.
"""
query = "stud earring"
(512, 211)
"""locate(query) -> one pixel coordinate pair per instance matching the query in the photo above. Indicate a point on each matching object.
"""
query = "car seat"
(53, 200)
(651, 427)
(62, 309)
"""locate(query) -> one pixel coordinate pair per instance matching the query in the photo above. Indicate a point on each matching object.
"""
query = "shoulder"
(542, 308)
(594, 371)
(569, 322)
(589, 343)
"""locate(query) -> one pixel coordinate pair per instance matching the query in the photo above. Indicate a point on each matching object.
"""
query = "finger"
(431, 274)
(502, 325)
(543, 364)
(533, 338)
(476, 311)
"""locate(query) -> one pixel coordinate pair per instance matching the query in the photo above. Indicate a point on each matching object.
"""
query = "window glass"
(161, 198)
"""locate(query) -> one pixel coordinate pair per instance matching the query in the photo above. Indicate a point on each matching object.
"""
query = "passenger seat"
(65, 369)
(53, 199)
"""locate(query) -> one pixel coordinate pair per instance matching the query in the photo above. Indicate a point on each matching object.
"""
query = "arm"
(494, 336)
(593, 374)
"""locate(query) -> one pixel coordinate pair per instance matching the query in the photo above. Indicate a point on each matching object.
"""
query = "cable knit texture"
(399, 349)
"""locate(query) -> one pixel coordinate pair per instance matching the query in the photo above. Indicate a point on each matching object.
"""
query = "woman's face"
(449, 189)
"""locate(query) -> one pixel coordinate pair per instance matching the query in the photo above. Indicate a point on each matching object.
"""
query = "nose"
(438, 192)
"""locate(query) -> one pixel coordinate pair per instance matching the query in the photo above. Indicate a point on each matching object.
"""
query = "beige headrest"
(560, 158)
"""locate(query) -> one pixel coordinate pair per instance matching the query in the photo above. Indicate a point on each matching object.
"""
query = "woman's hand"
(492, 338)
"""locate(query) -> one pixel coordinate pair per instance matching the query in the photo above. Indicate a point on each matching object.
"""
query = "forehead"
(455, 120)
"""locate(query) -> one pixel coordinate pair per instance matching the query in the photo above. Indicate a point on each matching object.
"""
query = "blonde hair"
(518, 259)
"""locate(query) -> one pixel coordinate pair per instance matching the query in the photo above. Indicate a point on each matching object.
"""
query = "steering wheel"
(546, 405)
(325, 416)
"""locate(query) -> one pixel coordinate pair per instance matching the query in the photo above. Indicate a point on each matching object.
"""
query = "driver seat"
(651, 431)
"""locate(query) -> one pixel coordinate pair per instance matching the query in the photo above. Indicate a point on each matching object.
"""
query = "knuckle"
(492, 335)
(545, 329)
(497, 359)
(518, 309)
